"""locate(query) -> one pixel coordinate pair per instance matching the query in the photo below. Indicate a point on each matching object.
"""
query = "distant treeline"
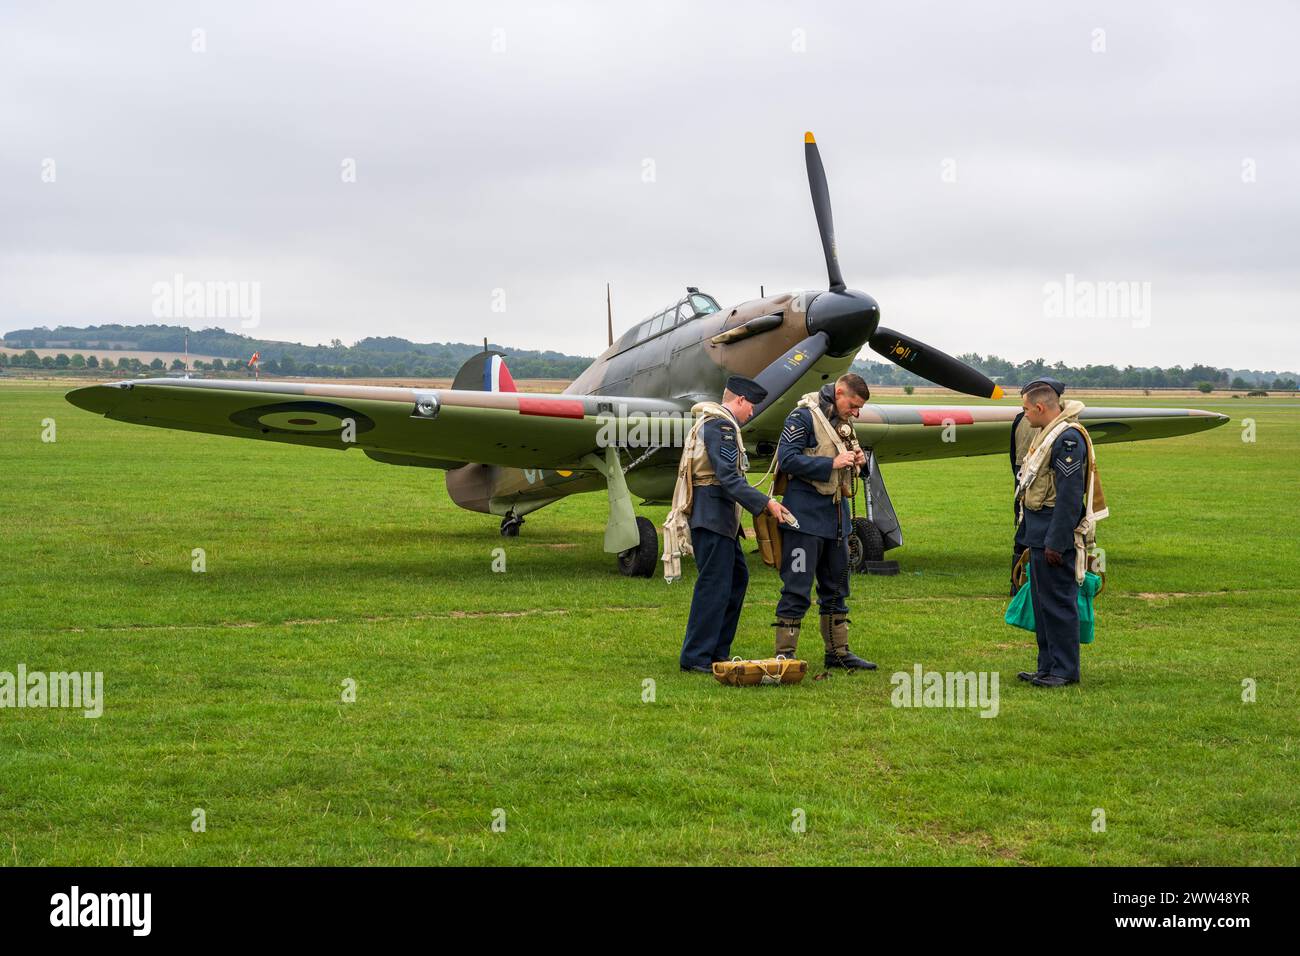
(77, 362)
(1010, 374)
(391, 357)
(368, 358)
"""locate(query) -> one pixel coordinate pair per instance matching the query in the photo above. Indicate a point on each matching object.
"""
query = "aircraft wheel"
(870, 538)
(510, 525)
(639, 562)
(872, 549)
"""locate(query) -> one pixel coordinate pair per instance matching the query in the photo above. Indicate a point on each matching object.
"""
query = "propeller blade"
(821, 198)
(932, 364)
(778, 377)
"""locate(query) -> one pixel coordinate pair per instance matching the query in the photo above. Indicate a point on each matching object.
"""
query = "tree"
(78, 361)
(92, 362)
(156, 364)
(62, 361)
(107, 363)
(1239, 382)
(1205, 387)
(47, 361)
(178, 364)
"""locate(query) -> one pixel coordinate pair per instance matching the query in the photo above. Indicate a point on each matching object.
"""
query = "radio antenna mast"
(609, 314)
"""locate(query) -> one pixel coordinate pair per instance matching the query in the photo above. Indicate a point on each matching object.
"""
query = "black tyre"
(873, 542)
(639, 562)
(510, 529)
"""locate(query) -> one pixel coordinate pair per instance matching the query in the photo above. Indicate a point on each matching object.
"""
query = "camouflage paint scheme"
(514, 452)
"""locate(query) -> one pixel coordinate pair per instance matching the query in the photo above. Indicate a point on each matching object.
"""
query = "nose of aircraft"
(848, 318)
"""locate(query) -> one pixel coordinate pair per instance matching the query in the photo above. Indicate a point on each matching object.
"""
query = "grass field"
(523, 690)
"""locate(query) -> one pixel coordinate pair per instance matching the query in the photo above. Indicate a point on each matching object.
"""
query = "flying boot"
(835, 635)
(787, 636)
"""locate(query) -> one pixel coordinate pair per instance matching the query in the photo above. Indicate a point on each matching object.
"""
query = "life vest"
(701, 467)
(1036, 484)
(828, 445)
(1025, 435)
(695, 468)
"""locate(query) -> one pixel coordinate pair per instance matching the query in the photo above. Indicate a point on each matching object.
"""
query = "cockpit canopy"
(693, 305)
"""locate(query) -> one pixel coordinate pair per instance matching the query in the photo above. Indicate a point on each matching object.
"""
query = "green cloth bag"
(1020, 612)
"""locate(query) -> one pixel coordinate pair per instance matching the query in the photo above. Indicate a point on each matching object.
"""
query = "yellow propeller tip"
(808, 137)
(997, 391)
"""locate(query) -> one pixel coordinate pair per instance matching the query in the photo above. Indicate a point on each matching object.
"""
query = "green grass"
(523, 690)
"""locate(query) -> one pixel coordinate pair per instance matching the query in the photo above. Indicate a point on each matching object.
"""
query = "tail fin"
(485, 372)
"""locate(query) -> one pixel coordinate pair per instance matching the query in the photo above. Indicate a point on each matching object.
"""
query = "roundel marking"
(301, 418)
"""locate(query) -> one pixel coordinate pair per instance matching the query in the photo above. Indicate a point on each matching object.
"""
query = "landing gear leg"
(510, 525)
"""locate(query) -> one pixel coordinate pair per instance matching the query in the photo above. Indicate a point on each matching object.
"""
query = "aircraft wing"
(441, 428)
(923, 432)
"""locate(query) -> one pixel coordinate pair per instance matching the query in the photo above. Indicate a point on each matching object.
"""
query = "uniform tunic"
(1053, 590)
(723, 575)
(819, 550)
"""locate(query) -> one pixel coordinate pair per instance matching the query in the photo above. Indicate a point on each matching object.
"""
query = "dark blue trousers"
(719, 594)
(805, 558)
(1055, 597)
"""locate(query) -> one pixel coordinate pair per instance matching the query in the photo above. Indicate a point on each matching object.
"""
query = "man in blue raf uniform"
(1053, 507)
(1022, 436)
(719, 483)
(819, 470)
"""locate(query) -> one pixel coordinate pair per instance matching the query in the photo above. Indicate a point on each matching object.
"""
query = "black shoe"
(697, 669)
(1051, 680)
(1031, 675)
(849, 661)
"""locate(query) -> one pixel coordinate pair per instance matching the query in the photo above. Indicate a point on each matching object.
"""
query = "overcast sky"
(976, 154)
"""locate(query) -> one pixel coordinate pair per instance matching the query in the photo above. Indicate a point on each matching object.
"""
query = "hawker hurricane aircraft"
(615, 428)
